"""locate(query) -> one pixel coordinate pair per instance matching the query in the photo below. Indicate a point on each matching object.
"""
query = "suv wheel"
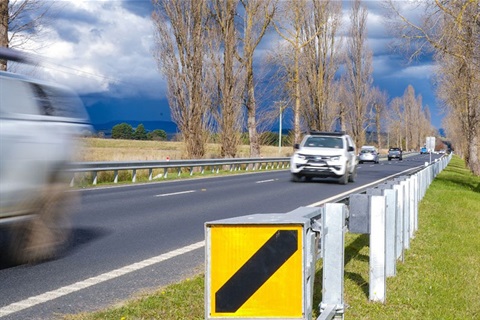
(353, 176)
(344, 179)
(296, 177)
(42, 237)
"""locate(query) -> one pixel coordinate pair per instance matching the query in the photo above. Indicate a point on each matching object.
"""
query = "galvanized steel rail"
(387, 211)
(233, 164)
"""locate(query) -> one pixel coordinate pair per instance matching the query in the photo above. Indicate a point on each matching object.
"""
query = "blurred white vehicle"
(38, 126)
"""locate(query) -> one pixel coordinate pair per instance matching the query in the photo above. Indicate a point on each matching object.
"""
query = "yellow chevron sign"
(255, 271)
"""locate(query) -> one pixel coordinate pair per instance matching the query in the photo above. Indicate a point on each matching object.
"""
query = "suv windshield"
(324, 142)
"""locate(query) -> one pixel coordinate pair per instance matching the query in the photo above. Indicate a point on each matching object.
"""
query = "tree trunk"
(3, 30)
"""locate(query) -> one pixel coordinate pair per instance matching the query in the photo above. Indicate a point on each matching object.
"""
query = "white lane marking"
(263, 181)
(47, 296)
(174, 193)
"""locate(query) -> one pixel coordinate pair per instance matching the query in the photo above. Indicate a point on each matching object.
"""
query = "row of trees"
(126, 131)
(206, 50)
(450, 30)
(321, 72)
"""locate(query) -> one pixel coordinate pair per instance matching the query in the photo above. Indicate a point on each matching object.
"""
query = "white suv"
(38, 126)
(324, 155)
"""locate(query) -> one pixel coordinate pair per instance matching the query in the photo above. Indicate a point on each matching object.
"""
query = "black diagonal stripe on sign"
(256, 271)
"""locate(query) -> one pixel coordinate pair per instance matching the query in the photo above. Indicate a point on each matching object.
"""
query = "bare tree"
(24, 22)
(379, 106)
(3, 30)
(290, 27)
(258, 15)
(180, 35)
(395, 123)
(320, 63)
(359, 72)
(451, 29)
(228, 110)
(409, 106)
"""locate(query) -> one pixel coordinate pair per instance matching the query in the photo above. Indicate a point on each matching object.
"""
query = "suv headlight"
(300, 156)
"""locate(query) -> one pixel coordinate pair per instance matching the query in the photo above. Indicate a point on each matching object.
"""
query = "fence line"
(234, 164)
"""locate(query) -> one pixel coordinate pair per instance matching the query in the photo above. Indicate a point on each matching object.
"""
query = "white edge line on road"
(174, 193)
(47, 296)
(263, 181)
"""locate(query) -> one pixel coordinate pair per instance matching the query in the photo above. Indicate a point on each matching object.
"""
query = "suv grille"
(316, 158)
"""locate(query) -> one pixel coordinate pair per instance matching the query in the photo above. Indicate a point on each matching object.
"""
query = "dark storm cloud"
(68, 20)
(142, 8)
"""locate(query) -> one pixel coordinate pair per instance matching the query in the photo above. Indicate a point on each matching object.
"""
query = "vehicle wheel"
(400, 159)
(41, 237)
(296, 177)
(389, 159)
(308, 179)
(343, 179)
(360, 162)
(353, 176)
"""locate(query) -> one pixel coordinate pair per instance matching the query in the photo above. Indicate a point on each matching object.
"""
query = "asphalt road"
(128, 240)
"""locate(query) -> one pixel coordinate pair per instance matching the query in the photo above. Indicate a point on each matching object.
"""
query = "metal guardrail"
(387, 211)
(234, 164)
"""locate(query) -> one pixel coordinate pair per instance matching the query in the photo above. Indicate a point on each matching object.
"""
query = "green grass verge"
(439, 279)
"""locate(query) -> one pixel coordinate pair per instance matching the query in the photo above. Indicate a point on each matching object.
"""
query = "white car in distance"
(368, 154)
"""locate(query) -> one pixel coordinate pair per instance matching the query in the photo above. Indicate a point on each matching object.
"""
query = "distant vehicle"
(395, 153)
(423, 150)
(323, 155)
(368, 154)
(38, 125)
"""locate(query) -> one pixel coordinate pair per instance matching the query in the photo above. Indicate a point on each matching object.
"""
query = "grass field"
(96, 149)
(439, 279)
(108, 150)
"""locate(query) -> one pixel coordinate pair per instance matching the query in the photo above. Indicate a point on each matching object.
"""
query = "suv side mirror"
(350, 149)
(296, 146)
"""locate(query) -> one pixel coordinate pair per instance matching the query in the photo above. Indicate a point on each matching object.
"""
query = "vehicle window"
(15, 97)
(324, 142)
(58, 103)
(43, 102)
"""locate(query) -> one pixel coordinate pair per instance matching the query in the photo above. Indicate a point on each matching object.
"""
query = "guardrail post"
(359, 217)
(94, 174)
(378, 280)
(412, 206)
(150, 174)
(134, 175)
(416, 200)
(333, 248)
(399, 220)
(115, 176)
(406, 215)
(390, 225)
